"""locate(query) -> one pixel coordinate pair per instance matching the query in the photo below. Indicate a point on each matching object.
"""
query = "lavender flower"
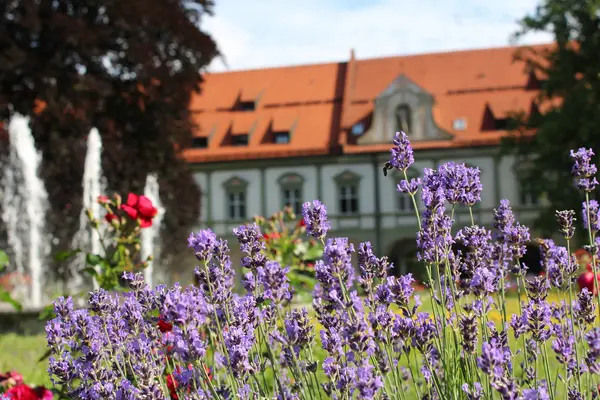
(434, 238)
(249, 237)
(402, 153)
(585, 307)
(468, 332)
(461, 183)
(315, 219)
(592, 358)
(275, 282)
(584, 169)
(475, 393)
(370, 266)
(592, 209)
(561, 267)
(565, 221)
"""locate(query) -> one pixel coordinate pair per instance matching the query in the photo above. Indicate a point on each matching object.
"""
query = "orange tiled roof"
(318, 104)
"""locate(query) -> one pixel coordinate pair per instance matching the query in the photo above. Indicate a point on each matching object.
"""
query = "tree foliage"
(569, 101)
(127, 67)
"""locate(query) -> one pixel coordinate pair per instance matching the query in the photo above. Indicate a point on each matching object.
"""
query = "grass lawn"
(21, 353)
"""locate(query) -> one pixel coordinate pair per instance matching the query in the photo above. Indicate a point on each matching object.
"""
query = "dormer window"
(239, 140)
(246, 105)
(281, 137)
(358, 129)
(459, 124)
(403, 118)
(199, 143)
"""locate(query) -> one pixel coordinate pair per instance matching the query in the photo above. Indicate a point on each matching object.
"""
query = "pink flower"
(103, 199)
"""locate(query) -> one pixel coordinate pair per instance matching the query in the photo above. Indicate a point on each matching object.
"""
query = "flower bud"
(118, 200)
(138, 247)
(88, 214)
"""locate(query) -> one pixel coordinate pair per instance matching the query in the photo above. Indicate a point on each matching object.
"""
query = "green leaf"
(93, 259)
(7, 298)
(45, 356)
(47, 313)
(4, 260)
(313, 253)
(65, 255)
(91, 271)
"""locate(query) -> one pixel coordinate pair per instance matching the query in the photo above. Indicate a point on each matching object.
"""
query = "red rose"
(164, 326)
(24, 392)
(586, 280)
(140, 207)
(103, 199)
(301, 222)
(110, 217)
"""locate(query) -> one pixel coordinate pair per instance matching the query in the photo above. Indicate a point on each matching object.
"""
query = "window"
(281, 137)
(293, 198)
(459, 124)
(199, 142)
(528, 196)
(348, 199)
(348, 192)
(403, 118)
(358, 129)
(246, 106)
(405, 203)
(291, 191)
(235, 198)
(237, 205)
(239, 140)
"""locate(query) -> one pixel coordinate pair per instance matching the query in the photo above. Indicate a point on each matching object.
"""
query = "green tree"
(568, 115)
(127, 67)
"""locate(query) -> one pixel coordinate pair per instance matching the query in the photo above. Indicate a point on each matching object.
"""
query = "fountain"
(86, 238)
(149, 245)
(24, 204)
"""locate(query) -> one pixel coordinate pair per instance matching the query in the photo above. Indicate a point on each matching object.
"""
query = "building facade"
(282, 136)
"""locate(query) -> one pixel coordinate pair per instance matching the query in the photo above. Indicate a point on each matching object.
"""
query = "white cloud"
(263, 33)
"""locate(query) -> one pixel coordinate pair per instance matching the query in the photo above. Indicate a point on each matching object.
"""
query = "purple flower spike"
(203, 243)
(315, 219)
(402, 152)
(593, 210)
(584, 169)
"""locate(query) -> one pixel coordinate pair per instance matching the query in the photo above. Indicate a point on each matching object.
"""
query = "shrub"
(206, 342)
(284, 243)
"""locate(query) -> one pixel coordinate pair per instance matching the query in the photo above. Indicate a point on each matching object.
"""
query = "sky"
(268, 33)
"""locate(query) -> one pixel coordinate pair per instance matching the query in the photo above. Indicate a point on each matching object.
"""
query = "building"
(276, 136)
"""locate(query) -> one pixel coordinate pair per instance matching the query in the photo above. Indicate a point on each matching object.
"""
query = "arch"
(403, 118)
(291, 179)
(290, 191)
(403, 256)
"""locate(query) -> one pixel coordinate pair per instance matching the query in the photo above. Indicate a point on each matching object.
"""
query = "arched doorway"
(533, 259)
(403, 255)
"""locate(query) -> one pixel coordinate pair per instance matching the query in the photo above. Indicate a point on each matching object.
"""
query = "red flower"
(140, 207)
(11, 378)
(172, 384)
(110, 217)
(24, 392)
(164, 326)
(586, 280)
(301, 223)
(103, 199)
(271, 236)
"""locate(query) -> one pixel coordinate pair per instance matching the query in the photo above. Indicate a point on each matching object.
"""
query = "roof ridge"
(383, 57)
